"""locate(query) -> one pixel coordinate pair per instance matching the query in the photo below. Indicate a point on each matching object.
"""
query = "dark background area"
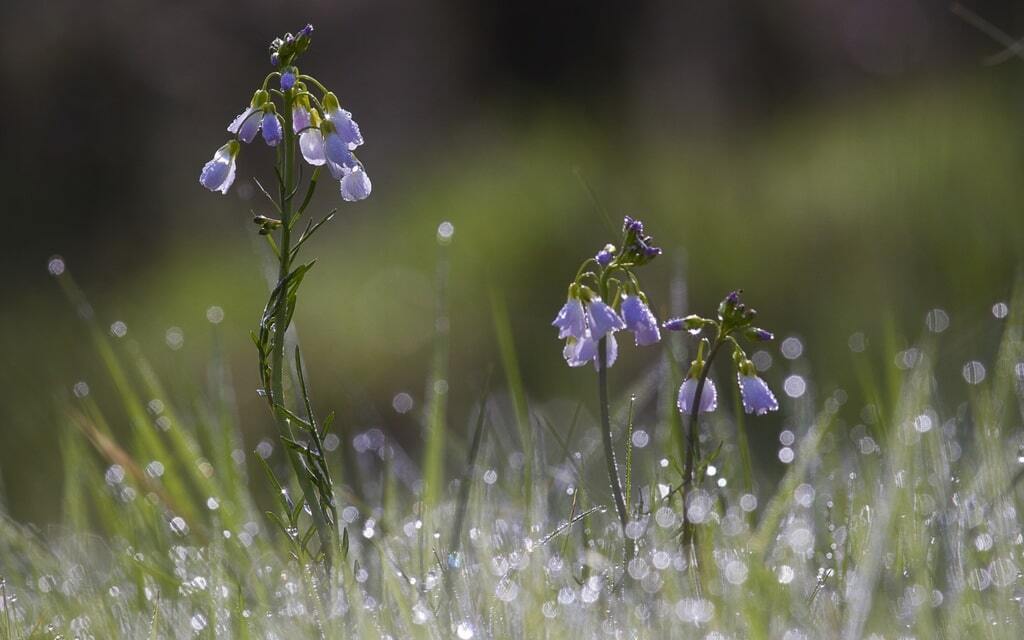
(851, 164)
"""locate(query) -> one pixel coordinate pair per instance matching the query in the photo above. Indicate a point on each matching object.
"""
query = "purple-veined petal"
(571, 320)
(579, 352)
(272, 133)
(219, 173)
(346, 127)
(311, 143)
(239, 119)
(708, 396)
(638, 318)
(355, 186)
(757, 397)
(250, 126)
(602, 318)
(337, 151)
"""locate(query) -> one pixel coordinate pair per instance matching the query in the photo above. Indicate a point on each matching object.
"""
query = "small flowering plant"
(305, 125)
(698, 393)
(605, 297)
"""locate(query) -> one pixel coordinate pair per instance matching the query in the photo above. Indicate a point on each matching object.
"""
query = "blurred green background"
(851, 167)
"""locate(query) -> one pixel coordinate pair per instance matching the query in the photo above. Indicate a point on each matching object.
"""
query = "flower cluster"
(734, 320)
(586, 318)
(327, 133)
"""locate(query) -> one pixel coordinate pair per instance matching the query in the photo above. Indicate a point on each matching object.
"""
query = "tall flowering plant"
(605, 297)
(305, 124)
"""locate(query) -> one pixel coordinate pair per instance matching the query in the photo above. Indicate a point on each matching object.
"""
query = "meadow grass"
(897, 515)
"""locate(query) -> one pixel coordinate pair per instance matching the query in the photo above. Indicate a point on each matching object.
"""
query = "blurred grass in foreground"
(908, 520)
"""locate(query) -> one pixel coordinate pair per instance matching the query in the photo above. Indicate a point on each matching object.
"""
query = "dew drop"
(974, 372)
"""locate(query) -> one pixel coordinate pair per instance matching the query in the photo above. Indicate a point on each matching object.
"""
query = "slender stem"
(693, 442)
(606, 434)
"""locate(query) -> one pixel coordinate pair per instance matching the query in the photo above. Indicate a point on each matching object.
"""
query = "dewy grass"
(905, 523)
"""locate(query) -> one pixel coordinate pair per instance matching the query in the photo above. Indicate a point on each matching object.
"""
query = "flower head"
(571, 320)
(757, 397)
(638, 318)
(688, 391)
(578, 352)
(637, 247)
(272, 133)
(219, 173)
(343, 123)
(602, 319)
(355, 185)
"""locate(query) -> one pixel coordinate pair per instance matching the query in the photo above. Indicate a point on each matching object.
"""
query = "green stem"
(692, 441)
(278, 402)
(606, 423)
(606, 434)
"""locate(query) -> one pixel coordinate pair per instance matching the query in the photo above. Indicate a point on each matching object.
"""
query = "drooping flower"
(757, 397)
(311, 141)
(219, 173)
(688, 391)
(342, 120)
(355, 185)
(578, 352)
(571, 320)
(247, 124)
(272, 133)
(638, 318)
(339, 156)
(602, 319)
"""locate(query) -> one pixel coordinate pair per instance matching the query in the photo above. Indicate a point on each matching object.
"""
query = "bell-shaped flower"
(638, 318)
(247, 124)
(571, 320)
(219, 173)
(602, 319)
(578, 352)
(339, 156)
(688, 391)
(757, 397)
(342, 120)
(311, 141)
(355, 185)
(272, 133)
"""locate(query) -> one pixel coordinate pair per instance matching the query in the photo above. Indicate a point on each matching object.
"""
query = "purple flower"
(342, 120)
(346, 127)
(339, 156)
(571, 320)
(632, 224)
(579, 352)
(287, 80)
(305, 31)
(602, 319)
(247, 124)
(757, 397)
(275, 58)
(638, 318)
(355, 185)
(708, 396)
(605, 256)
(219, 173)
(311, 141)
(272, 134)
